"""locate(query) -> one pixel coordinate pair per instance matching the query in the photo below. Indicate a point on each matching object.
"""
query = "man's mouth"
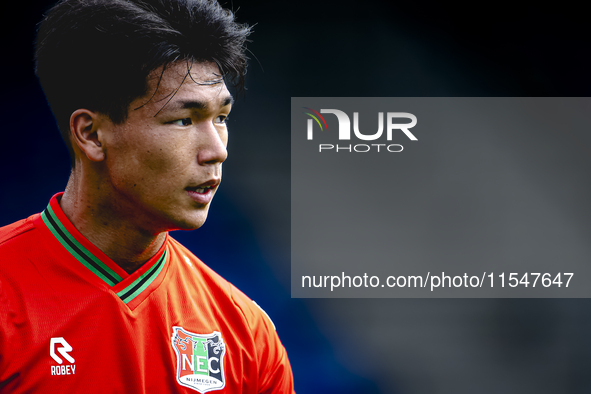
(199, 189)
(203, 193)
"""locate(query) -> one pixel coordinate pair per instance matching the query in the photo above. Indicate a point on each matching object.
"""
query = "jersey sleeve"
(10, 309)
(7, 331)
(275, 375)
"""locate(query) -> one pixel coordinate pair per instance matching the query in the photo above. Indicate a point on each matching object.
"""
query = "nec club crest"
(199, 359)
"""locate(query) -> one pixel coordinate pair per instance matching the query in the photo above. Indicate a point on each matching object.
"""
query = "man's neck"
(96, 217)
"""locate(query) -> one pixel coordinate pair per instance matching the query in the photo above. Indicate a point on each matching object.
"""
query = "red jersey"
(73, 321)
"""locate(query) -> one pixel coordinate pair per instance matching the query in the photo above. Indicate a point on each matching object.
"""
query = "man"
(95, 296)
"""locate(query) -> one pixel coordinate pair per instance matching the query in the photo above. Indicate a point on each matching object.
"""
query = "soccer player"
(95, 295)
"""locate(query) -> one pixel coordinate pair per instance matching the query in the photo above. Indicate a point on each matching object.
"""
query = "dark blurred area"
(331, 48)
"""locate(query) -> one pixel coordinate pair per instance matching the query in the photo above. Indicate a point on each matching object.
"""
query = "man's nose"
(212, 149)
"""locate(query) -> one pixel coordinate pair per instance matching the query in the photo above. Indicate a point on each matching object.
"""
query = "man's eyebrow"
(229, 100)
(201, 105)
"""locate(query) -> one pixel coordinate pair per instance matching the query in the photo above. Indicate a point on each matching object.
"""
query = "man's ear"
(84, 125)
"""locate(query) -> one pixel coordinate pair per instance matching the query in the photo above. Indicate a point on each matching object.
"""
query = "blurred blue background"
(330, 48)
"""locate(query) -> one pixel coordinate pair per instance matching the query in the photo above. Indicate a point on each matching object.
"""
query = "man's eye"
(221, 119)
(182, 122)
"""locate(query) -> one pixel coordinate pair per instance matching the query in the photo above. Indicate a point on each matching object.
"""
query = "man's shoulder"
(16, 230)
(16, 241)
(256, 317)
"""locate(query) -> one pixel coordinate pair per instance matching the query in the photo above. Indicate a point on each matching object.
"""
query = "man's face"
(164, 162)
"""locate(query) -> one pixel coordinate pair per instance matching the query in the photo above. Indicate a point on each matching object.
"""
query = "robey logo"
(63, 348)
(344, 132)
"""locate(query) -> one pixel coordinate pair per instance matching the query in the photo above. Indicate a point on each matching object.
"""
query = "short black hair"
(97, 54)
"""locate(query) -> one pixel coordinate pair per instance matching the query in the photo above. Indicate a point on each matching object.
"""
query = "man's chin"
(192, 222)
(189, 227)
